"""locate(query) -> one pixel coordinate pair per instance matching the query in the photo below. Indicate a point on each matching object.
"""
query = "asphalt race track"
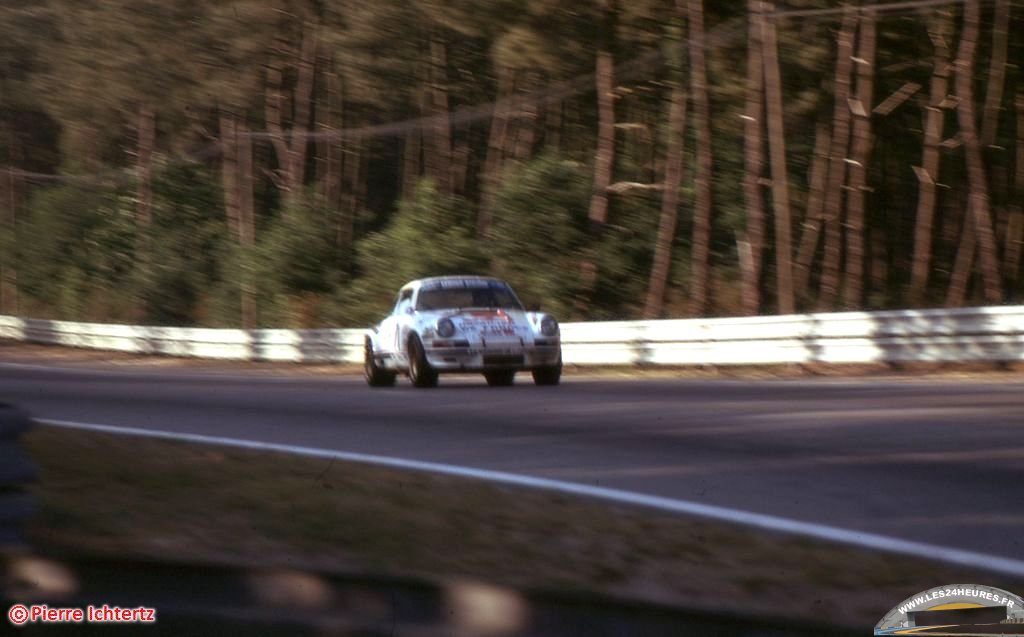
(938, 461)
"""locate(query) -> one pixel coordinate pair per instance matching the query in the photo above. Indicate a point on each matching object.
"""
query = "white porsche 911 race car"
(462, 324)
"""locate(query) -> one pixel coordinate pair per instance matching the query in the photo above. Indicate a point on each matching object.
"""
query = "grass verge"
(117, 496)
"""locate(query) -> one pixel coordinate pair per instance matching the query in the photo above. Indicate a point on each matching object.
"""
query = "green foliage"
(76, 253)
(430, 235)
(296, 257)
(624, 257)
(185, 245)
(539, 220)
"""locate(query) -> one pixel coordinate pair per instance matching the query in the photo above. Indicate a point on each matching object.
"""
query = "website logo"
(956, 609)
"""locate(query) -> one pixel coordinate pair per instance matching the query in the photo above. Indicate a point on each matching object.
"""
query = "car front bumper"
(469, 358)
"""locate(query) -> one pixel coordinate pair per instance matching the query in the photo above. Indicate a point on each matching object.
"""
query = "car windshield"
(483, 296)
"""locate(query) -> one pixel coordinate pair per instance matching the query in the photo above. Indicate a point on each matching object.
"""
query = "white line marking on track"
(850, 537)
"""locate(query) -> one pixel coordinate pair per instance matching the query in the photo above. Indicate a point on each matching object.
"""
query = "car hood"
(492, 322)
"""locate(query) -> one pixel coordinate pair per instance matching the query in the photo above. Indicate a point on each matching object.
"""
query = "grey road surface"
(934, 461)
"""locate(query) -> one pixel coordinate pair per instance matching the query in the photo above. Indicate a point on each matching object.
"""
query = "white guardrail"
(971, 334)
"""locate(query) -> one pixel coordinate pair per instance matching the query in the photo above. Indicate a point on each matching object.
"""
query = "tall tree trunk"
(146, 140)
(979, 199)
(837, 164)
(662, 264)
(996, 73)
(526, 120)
(961, 276)
(604, 156)
(460, 166)
(780, 174)
(8, 225)
(229, 171)
(814, 215)
(879, 262)
(853, 286)
(553, 126)
(146, 133)
(328, 122)
(322, 129)
(335, 164)
(928, 173)
(353, 180)
(246, 223)
(752, 247)
(291, 146)
(412, 149)
(1015, 227)
(493, 162)
(439, 157)
(701, 243)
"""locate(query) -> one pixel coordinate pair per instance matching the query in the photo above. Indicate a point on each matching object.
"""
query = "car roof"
(470, 278)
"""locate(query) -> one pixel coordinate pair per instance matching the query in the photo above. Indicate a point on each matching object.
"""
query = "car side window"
(404, 302)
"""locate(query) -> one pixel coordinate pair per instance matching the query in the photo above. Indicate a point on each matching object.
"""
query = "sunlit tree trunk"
(229, 170)
(780, 174)
(460, 166)
(495, 152)
(810, 236)
(146, 140)
(853, 286)
(526, 121)
(996, 73)
(928, 172)
(439, 153)
(1015, 227)
(236, 184)
(662, 263)
(353, 183)
(701, 243)
(145, 143)
(960, 278)
(752, 246)
(837, 163)
(879, 259)
(412, 149)
(328, 123)
(290, 146)
(246, 223)
(553, 126)
(604, 155)
(978, 182)
(8, 222)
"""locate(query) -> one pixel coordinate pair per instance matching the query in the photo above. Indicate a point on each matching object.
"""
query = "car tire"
(500, 377)
(420, 372)
(376, 376)
(548, 376)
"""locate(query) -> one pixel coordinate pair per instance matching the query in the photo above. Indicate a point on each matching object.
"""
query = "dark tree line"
(291, 162)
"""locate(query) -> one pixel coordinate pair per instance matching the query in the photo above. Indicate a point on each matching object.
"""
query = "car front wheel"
(420, 372)
(376, 376)
(548, 375)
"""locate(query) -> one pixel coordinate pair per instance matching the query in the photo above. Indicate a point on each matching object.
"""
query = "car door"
(387, 332)
(400, 326)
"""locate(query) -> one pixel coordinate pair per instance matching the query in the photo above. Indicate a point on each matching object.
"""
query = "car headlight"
(445, 328)
(548, 326)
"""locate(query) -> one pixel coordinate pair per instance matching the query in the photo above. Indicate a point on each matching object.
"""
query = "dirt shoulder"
(135, 498)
